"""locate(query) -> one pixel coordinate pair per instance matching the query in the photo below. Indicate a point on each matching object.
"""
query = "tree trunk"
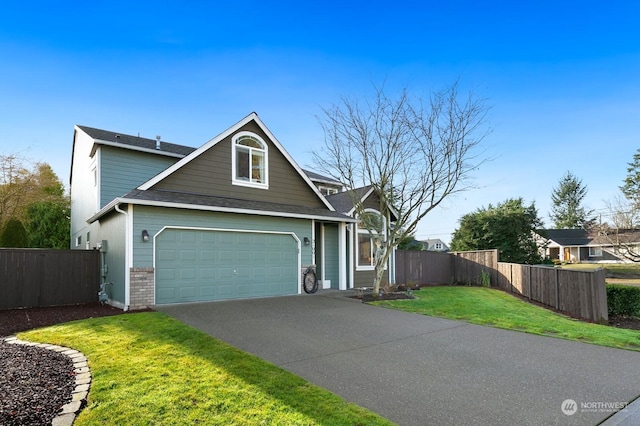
(382, 258)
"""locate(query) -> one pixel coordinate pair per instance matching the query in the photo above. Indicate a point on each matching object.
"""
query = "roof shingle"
(138, 142)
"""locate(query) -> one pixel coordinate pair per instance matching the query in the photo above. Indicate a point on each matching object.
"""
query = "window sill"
(365, 268)
(250, 184)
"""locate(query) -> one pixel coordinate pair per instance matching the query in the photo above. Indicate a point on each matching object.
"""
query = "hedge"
(623, 300)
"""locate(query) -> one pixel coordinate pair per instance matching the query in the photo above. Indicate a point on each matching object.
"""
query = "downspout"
(126, 257)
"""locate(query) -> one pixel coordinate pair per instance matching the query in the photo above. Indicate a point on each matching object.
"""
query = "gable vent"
(158, 141)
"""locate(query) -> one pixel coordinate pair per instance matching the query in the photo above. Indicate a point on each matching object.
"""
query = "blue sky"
(562, 79)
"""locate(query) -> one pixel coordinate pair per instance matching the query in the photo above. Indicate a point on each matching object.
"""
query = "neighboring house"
(434, 245)
(234, 218)
(579, 245)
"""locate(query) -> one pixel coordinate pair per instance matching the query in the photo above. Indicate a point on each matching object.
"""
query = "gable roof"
(343, 201)
(568, 237)
(220, 137)
(137, 143)
(316, 177)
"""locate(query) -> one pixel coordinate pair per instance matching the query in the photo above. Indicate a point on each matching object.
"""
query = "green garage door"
(198, 265)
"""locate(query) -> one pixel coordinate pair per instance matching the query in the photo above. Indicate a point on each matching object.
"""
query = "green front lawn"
(632, 269)
(149, 369)
(496, 308)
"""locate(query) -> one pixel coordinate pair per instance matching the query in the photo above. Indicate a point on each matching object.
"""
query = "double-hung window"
(595, 251)
(370, 230)
(249, 162)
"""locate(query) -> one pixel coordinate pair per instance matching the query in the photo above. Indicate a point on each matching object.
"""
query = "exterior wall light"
(306, 241)
(145, 235)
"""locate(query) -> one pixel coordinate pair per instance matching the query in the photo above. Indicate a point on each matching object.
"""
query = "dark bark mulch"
(384, 296)
(625, 322)
(34, 385)
(34, 382)
(15, 320)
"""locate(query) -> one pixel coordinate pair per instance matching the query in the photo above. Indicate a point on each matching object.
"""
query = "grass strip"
(149, 369)
(496, 308)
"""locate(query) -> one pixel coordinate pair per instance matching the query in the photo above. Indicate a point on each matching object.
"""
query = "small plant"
(485, 279)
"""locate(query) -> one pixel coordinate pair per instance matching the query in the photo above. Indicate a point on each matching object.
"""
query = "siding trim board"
(135, 148)
(152, 203)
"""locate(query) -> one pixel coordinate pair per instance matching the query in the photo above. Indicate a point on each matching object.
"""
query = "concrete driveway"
(419, 370)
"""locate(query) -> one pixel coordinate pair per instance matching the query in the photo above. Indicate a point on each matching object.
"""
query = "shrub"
(14, 235)
(623, 300)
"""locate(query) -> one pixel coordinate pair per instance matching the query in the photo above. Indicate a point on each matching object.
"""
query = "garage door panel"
(224, 273)
(208, 292)
(188, 237)
(200, 265)
(187, 293)
(165, 294)
(207, 255)
(187, 274)
(166, 254)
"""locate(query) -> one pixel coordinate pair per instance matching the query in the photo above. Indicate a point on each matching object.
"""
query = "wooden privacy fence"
(432, 267)
(577, 293)
(423, 267)
(40, 277)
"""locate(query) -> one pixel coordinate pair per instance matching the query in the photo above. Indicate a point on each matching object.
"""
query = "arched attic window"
(370, 230)
(250, 160)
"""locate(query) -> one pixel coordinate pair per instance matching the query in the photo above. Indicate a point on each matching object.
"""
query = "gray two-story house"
(234, 218)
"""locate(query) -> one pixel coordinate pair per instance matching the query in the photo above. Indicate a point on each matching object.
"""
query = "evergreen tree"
(508, 227)
(567, 211)
(631, 187)
(13, 235)
(48, 224)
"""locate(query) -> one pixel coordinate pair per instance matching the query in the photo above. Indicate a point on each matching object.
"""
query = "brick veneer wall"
(142, 288)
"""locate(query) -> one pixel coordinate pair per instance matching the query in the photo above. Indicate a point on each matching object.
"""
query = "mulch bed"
(35, 383)
(15, 320)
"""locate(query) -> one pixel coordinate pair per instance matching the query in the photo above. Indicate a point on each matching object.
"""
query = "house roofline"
(117, 201)
(133, 148)
(365, 196)
(221, 136)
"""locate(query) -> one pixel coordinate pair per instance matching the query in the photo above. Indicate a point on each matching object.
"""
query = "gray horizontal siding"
(211, 174)
(153, 219)
(123, 170)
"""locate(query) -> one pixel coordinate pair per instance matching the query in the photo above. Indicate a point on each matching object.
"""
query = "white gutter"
(131, 201)
(128, 230)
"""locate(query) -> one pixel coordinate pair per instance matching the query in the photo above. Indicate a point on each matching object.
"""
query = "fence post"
(557, 284)
(601, 309)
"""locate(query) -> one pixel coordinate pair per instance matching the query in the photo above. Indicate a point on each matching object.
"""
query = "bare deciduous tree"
(623, 214)
(413, 152)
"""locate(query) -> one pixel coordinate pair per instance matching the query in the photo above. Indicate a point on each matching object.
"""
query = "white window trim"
(249, 184)
(357, 242)
(327, 190)
(595, 251)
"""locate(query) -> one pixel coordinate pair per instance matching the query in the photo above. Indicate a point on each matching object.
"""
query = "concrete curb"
(69, 411)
